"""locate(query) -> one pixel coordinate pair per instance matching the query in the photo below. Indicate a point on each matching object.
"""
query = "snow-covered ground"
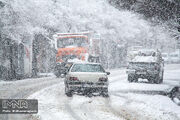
(126, 101)
(54, 105)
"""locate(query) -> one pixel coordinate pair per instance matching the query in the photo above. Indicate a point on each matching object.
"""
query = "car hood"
(87, 76)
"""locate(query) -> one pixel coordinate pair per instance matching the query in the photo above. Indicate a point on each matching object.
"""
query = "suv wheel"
(132, 78)
(151, 80)
(162, 74)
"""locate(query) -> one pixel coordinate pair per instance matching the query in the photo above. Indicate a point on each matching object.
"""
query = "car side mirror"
(108, 73)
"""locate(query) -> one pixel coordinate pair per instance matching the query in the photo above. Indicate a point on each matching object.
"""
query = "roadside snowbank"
(152, 107)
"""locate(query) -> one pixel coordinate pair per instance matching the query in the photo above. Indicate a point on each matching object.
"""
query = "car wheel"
(105, 94)
(151, 80)
(135, 79)
(68, 92)
(89, 94)
(157, 79)
(130, 78)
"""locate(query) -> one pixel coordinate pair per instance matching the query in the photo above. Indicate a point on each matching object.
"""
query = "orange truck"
(75, 46)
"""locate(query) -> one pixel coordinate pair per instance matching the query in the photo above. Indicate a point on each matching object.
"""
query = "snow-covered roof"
(144, 59)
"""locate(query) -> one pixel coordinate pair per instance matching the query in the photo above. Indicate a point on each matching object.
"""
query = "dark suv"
(148, 64)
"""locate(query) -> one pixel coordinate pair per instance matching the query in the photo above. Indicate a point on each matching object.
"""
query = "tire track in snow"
(117, 113)
(72, 112)
(90, 113)
(92, 110)
(148, 92)
(125, 111)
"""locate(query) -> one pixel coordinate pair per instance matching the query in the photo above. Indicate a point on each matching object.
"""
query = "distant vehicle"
(174, 57)
(82, 46)
(148, 64)
(86, 78)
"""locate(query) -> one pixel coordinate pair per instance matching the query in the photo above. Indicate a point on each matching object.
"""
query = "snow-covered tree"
(24, 19)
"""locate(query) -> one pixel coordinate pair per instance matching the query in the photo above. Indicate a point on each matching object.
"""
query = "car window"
(87, 68)
(147, 53)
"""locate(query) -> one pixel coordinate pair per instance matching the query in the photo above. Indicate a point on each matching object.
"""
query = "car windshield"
(87, 68)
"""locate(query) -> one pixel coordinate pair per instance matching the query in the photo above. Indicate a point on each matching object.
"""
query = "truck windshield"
(87, 68)
(71, 41)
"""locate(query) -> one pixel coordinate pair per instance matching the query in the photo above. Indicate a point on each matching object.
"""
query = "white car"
(86, 78)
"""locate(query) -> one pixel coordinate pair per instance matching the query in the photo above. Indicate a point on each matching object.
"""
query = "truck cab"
(72, 46)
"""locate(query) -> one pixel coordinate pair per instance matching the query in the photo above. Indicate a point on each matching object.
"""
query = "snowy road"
(137, 101)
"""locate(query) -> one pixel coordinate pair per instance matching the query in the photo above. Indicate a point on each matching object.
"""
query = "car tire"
(132, 78)
(157, 79)
(68, 92)
(151, 80)
(161, 81)
(105, 94)
(89, 94)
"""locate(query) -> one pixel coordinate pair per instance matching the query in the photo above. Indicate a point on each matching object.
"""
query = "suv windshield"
(140, 65)
(87, 68)
(72, 41)
(147, 53)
